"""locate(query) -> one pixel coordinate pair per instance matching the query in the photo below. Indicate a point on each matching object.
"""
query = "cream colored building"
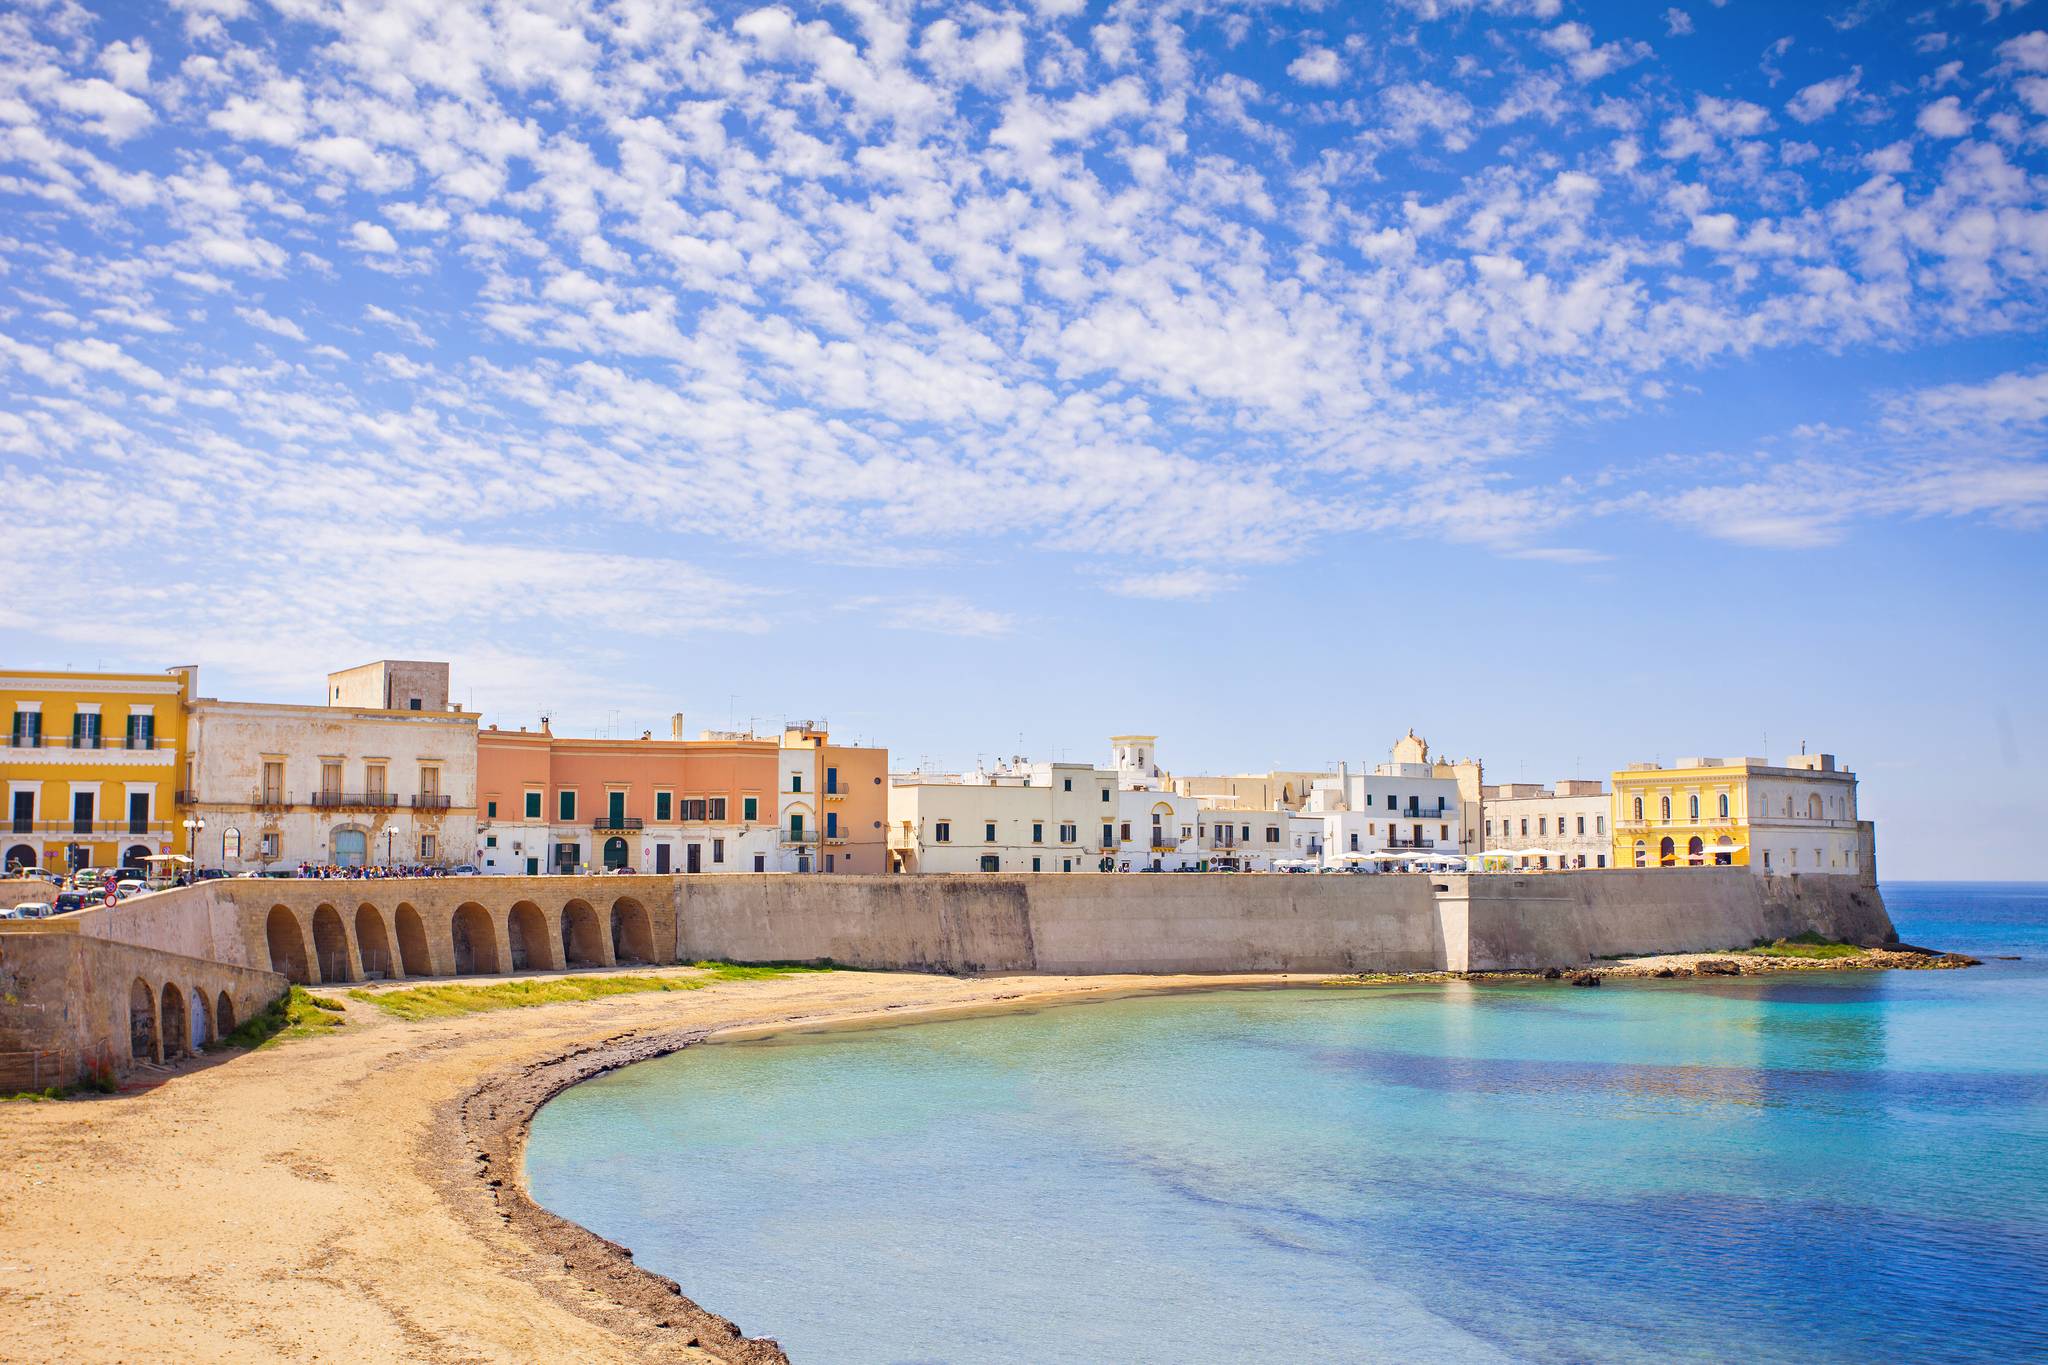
(1019, 817)
(1276, 790)
(1568, 823)
(1798, 816)
(278, 785)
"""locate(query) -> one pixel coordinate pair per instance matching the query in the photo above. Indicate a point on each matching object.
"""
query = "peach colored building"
(549, 803)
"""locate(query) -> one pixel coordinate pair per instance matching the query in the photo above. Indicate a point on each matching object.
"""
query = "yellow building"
(92, 765)
(1798, 816)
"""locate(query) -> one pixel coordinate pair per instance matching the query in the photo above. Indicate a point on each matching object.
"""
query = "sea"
(1841, 1166)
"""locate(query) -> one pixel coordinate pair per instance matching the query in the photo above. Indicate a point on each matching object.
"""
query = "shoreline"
(361, 1194)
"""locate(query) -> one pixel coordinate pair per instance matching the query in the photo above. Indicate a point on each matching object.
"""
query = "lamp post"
(194, 827)
(389, 832)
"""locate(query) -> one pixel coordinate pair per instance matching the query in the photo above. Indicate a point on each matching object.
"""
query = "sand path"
(319, 1200)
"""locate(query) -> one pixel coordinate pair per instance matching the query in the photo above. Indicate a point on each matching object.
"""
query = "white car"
(28, 910)
(129, 889)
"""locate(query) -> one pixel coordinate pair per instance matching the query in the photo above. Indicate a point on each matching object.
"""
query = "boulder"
(1718, 966)
(1551, 973)
(1585, 978)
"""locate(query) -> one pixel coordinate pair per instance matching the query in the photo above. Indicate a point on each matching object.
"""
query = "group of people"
(369, 873)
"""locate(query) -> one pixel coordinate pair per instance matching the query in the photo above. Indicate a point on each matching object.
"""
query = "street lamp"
(194, 827)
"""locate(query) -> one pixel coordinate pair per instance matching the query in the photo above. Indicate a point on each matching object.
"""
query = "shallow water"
(1845, 1167)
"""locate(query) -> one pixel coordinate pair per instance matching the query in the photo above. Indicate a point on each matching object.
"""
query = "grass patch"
(1801, 945)
(447, 1002)
(296, 1014)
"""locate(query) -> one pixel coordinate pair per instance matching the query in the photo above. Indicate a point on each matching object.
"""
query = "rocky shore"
(1671, 966)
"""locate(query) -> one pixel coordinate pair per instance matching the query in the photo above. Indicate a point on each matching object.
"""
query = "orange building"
(556, 803)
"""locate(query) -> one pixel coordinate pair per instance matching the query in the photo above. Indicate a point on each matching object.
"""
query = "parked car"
(127, 890)
(27, 910)
(34, 874)
(67, 901)
(210, 874)
(466, 870)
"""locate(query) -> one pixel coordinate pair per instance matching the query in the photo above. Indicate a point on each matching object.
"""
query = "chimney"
(675, 726)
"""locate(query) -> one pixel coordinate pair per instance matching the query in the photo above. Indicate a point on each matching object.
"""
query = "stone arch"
(21, 855)
(1667, 852)
(1694, 847)
(615, 853)
(582, 944)
(330, 944)
(475, 940)
(1813, 810)
(223, 1016)
(373, 945)
(632, 931)
(177, 1030)
(526, 931)
(413, 957)
(287, 945)
(141, 1022)
(136, 856)
(200, 1019)
(1642, 854)
(1724, 851)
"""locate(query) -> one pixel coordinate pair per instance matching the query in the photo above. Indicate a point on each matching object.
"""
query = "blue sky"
(1576, 383)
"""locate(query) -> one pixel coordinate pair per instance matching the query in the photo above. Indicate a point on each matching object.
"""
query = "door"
(533, 867)
(24, 812)
(615, 808)
(351, 847)
(81, 812)
(661, 859)
(693, 858)
(614, 853)
(138, 812)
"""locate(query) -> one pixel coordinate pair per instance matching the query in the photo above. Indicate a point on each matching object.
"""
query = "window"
(664, 805)
(1582, 824)
(533, 805)
(1665, 803)
(1443, 831)
(490, 841)
(1639, 808)
(85, 730)
(426, 847)
(760, 862)
(796, 782)
(832, 825)
(1069, 785)
(1693, 807)
(1105, 793)
(330, 777)
(1489, 827)
(1354, 841)
(273, 782)
(1525, 825)
(750, 807)
(942, 833)
(1391, 803)
(373, 779)
(28, 729)
(567, 806)
(1035, 864)
(1543, 824)
(1037, 834)
(430, 785)
(991, 862)
(988, 832)
(267, 845)
(796, 826)
(1108, 836)
(413, 705)
(1272, 834)
(231, 844)
(1124, 831)
(141, 731)
(1600, 860)
(718, 850)
(490, 810)
(1642, 852)
(1068, 834)
(1724, 805)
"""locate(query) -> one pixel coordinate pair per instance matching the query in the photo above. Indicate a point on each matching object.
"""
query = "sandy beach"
(323, 1199)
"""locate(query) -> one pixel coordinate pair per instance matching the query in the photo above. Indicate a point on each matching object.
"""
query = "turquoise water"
(1842, 1167)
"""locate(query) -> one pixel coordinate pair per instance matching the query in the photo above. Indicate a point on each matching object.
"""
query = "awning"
(167, 858)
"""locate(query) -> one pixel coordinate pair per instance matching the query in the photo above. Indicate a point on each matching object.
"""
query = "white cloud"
(1317, 66)
(1945, 118)
(105, 108)
(1175, 585)
(270, 322)
(1817, 101)
(372, 237)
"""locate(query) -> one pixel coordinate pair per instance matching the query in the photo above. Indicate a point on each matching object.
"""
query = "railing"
(325, 800)
(270, 798)
(17, 740)
(432, 801)
(624, 822)
(142, 827)
(1411, 843)
(1419, 814)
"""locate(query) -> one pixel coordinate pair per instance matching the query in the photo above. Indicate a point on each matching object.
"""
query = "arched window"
(1642, 849)
(1667, 853)
(1813, 807)
(1666, 803)
(1639, 808)
(1694, 809)
(1724, 805)
(230, 845)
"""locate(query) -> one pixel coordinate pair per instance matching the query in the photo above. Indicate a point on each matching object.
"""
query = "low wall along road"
(256, 935)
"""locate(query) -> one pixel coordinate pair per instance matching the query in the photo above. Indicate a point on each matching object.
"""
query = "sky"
(1577, 384)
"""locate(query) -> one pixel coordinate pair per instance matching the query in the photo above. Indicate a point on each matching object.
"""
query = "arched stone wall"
(224, 1015)
(142, 1022)
(474, 938)
(175, 1037)
(287, 945)
(199, 1018)
(533, 943)
(373, 944)
(632, 936)
(415, 955)
(584, 944)
(331, 946)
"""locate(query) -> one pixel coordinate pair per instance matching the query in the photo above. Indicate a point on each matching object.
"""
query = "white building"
(1565, 827)
(280, 785)
(1019, 817)
(1402, 808)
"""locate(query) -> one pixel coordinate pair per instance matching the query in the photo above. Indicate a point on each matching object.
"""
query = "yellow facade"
(91, 765)
(1681, 817)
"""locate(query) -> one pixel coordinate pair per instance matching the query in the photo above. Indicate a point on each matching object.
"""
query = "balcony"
(18, 740)
(270, 798)
(327, 800)
(431, 801)
(94, 828)
(605, 824)
(1413, 843)
(187, 797)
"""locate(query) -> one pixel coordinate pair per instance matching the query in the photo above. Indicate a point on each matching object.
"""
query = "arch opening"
(581, 944)
(201, 1026)
(287, 945)
(475, 940)
(21, 855)
(373, 944)
(1693, 849)
(527, 930)
(413, 957)
(330, 944)
(632, 931)
(141, 1022)
(136, 856)
(223, 1016)
(1667, 852)
(175, 1028)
